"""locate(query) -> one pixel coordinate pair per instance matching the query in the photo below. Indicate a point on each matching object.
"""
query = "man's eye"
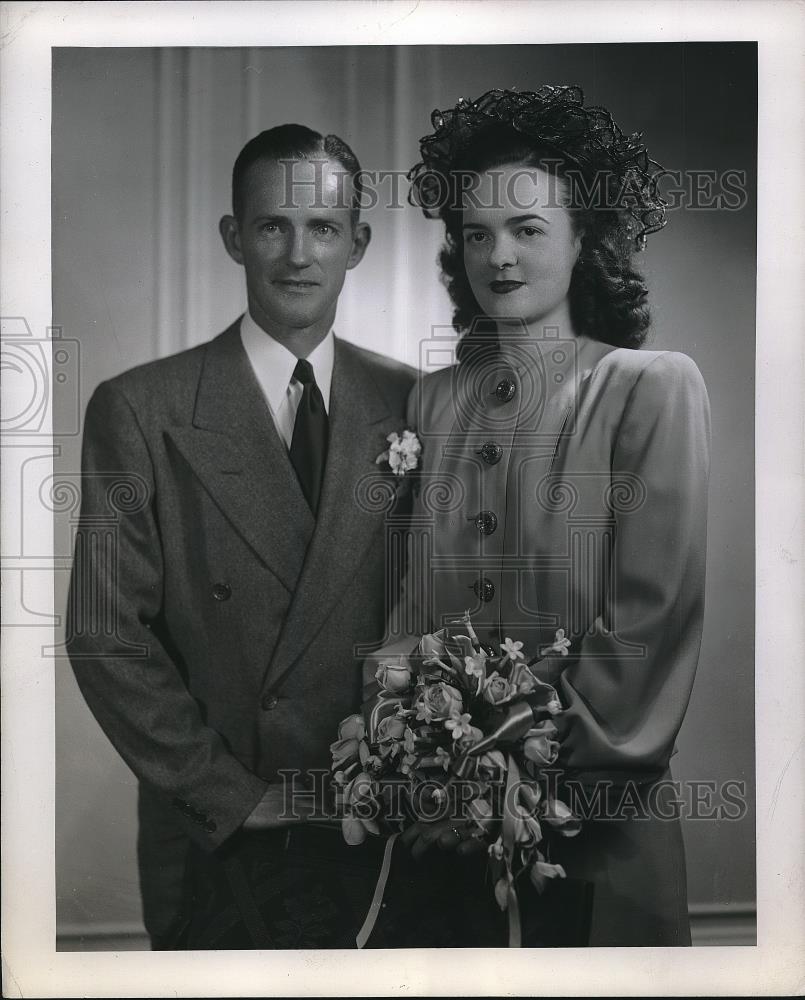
(269, 227)
(325, 229)
(530, 231)
(476, 237)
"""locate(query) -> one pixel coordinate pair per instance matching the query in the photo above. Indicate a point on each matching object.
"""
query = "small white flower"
(402, 454)
(560, 645)
(512, 649)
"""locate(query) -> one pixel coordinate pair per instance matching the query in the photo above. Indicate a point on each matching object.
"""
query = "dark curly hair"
(612, 200)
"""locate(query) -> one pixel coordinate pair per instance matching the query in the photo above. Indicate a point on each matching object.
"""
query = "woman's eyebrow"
(528, 218)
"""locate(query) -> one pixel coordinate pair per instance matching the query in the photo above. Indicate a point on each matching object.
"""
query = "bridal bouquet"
(462, 733)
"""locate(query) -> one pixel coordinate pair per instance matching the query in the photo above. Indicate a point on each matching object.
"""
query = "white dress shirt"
(273, 366)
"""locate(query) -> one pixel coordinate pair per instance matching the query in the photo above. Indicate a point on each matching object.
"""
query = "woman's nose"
(503, 254)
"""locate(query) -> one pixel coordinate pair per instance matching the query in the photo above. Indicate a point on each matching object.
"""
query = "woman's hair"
(611, 191)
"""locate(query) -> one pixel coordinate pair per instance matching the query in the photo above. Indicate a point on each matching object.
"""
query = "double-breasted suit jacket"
(214, 633)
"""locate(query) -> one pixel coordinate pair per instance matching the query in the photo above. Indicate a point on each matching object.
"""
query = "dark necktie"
(310, 433)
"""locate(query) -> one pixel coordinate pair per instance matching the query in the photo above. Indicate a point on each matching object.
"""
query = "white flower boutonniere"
(402, 454)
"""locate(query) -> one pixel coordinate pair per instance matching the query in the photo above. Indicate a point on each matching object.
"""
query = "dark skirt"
(308, 889)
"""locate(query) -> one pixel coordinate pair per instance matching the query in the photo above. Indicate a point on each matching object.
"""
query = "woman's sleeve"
(627, 692)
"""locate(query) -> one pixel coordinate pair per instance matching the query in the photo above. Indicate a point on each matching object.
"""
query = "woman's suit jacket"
(578, 503)
(564, 485)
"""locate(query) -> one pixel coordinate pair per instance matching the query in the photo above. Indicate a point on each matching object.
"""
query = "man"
(243, 569)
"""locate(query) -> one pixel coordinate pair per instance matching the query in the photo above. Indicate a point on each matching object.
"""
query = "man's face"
(296, 241)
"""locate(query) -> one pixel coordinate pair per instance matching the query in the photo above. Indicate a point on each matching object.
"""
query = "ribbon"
(377, 900)
(508, 834)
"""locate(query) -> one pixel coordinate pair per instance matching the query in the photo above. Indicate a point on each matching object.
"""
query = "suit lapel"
(234, 449)
(345, 528)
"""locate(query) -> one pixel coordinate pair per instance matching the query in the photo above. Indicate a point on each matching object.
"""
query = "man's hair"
(294, 142)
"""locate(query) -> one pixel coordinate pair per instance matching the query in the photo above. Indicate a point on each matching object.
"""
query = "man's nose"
(299, 249)
(503, 253)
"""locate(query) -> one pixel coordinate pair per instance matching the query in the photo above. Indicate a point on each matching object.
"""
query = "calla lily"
(561, 818)
(526, 828)
(541, 871)
(530, 796)
(502, 892)
(481, 813)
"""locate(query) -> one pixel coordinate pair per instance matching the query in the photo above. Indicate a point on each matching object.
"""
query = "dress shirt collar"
(274, 364)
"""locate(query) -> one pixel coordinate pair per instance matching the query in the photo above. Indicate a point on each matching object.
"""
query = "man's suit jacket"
(213, 620)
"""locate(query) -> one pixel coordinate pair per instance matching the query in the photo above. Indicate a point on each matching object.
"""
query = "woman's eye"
(476, 237)
(529, 231)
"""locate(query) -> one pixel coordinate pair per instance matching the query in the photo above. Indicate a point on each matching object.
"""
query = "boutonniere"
(402, 454)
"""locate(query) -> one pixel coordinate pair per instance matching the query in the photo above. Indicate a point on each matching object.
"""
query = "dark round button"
(491, 453)
(484, 589)
(505, 390)
(269, 702)
(486, 522)
(210, 826)
(221, 591)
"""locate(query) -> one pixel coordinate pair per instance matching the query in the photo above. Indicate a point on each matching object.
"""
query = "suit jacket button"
(221, 591)
(269, 702)
(491, 453)
(210, 826)
(486, 522)
(505, 390)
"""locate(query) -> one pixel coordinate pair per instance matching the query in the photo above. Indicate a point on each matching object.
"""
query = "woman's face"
(519, 244)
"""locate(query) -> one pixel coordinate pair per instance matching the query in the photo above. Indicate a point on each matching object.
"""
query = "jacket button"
(484, 589)
(486, 522)
(221, 591)
(491, 453)
(210, 826)
(269, 702)
(505, 390)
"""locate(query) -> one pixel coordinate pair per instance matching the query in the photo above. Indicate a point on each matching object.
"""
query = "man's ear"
(360, 241)
(230, 234)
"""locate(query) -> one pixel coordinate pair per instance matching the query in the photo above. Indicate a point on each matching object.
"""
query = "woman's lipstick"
(504, 287)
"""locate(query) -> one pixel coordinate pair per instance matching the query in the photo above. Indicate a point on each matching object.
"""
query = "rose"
(497, 689)
(391, 731)
(346, 752)
(394, 677)
(540, 745)
(438, 702)
(351, 728)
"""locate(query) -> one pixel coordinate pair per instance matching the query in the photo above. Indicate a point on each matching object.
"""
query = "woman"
(576, 467)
